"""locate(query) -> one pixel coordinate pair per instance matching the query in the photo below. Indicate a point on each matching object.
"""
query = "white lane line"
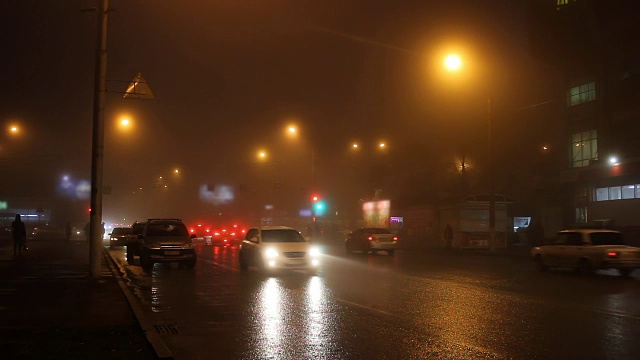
(364, 307)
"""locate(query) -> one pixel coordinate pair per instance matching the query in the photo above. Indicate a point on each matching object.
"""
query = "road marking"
(364, 307)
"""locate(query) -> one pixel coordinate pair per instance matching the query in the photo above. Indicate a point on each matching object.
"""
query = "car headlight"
(153, 246)
(271, 253)
(188, 245)
(314, 252)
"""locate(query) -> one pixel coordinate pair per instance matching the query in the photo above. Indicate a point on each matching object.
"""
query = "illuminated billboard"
(376, 213)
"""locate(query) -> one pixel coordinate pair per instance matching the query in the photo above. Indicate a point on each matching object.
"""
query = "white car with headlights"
(272, 248)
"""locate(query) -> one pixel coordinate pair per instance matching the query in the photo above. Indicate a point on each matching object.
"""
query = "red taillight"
(612, 254)
(371, 238)
(395, 238)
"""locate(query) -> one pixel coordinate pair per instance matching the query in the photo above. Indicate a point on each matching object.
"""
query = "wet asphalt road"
(414, 305)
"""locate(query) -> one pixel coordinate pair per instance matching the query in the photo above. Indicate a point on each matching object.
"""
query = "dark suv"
(166, 240)
(133, 242)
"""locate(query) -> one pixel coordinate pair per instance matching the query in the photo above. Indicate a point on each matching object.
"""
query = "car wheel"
(625, 272)
(390, 252)
(584, 267)
(111, 247)
(541, 264)
(243, 263)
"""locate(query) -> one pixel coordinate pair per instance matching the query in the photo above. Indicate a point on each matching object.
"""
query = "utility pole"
(492, 197)
(97, 148)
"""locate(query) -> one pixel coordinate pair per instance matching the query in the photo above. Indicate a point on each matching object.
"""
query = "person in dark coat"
(19, 235)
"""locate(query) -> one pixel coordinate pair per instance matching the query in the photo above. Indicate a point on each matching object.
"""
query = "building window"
(581, 215)
(561, 3)
(584, 148)
(617, 193)
(581, 94)
(628, 191)
(602, 194)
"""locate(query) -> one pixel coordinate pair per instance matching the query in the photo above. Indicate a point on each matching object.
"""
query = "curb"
(159, 346)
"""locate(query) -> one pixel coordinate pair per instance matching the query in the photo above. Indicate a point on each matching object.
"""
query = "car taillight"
(395, 238)
(612, 254)
(371, 238)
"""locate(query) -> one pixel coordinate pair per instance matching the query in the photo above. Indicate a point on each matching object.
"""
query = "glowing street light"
(382, 145)
(355, 145)
(452, 62)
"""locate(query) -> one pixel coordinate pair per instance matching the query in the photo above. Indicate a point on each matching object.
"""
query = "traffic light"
(318, 207)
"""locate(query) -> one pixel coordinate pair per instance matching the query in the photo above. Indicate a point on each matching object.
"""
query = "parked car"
(272, 248)
(119, 236)
(166, 241)
(586, 250)
(133, 241)
(371, 239)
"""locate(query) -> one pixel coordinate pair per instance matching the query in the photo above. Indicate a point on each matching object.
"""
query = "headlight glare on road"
(314, 252)
(315, 262)
(271, 253)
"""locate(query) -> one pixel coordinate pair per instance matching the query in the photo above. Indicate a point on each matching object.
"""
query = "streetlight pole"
(492, 197)
(97, 149)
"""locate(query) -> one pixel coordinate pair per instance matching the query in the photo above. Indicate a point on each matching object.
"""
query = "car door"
(249, 245)
(553, 253)
(572, 251)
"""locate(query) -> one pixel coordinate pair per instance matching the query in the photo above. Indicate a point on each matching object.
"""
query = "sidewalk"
(51, 309)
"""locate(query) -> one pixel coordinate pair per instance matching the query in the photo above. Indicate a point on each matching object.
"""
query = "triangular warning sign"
(138, 89)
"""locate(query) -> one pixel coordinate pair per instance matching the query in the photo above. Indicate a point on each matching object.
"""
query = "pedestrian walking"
(19, 235)
(448, 235)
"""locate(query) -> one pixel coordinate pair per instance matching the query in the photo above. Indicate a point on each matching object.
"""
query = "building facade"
(595, 43)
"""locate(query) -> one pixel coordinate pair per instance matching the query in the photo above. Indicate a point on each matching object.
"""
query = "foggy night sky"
(228, 75)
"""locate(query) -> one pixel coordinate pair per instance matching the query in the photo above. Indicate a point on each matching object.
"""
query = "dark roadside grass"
(51, 309)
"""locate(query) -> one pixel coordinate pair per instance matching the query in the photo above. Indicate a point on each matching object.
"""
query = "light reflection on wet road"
(412, 305)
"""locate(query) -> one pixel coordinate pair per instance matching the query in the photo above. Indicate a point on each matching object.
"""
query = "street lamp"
(453, 63)
(292, 131)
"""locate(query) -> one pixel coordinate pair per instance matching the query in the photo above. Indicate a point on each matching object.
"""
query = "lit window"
(602, 194)
(561, 3)
(581, 215)
(581, 94)
(638, 191)
(628, 191)
(615, 193)
(584, 148)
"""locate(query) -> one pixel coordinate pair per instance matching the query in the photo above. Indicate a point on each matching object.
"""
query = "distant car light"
(612, 254)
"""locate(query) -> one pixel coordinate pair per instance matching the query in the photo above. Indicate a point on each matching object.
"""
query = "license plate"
(172, 252)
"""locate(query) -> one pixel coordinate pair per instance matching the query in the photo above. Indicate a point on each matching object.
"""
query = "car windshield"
(281, 235)
(167, 230)
(607, 238)
(121, 231)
